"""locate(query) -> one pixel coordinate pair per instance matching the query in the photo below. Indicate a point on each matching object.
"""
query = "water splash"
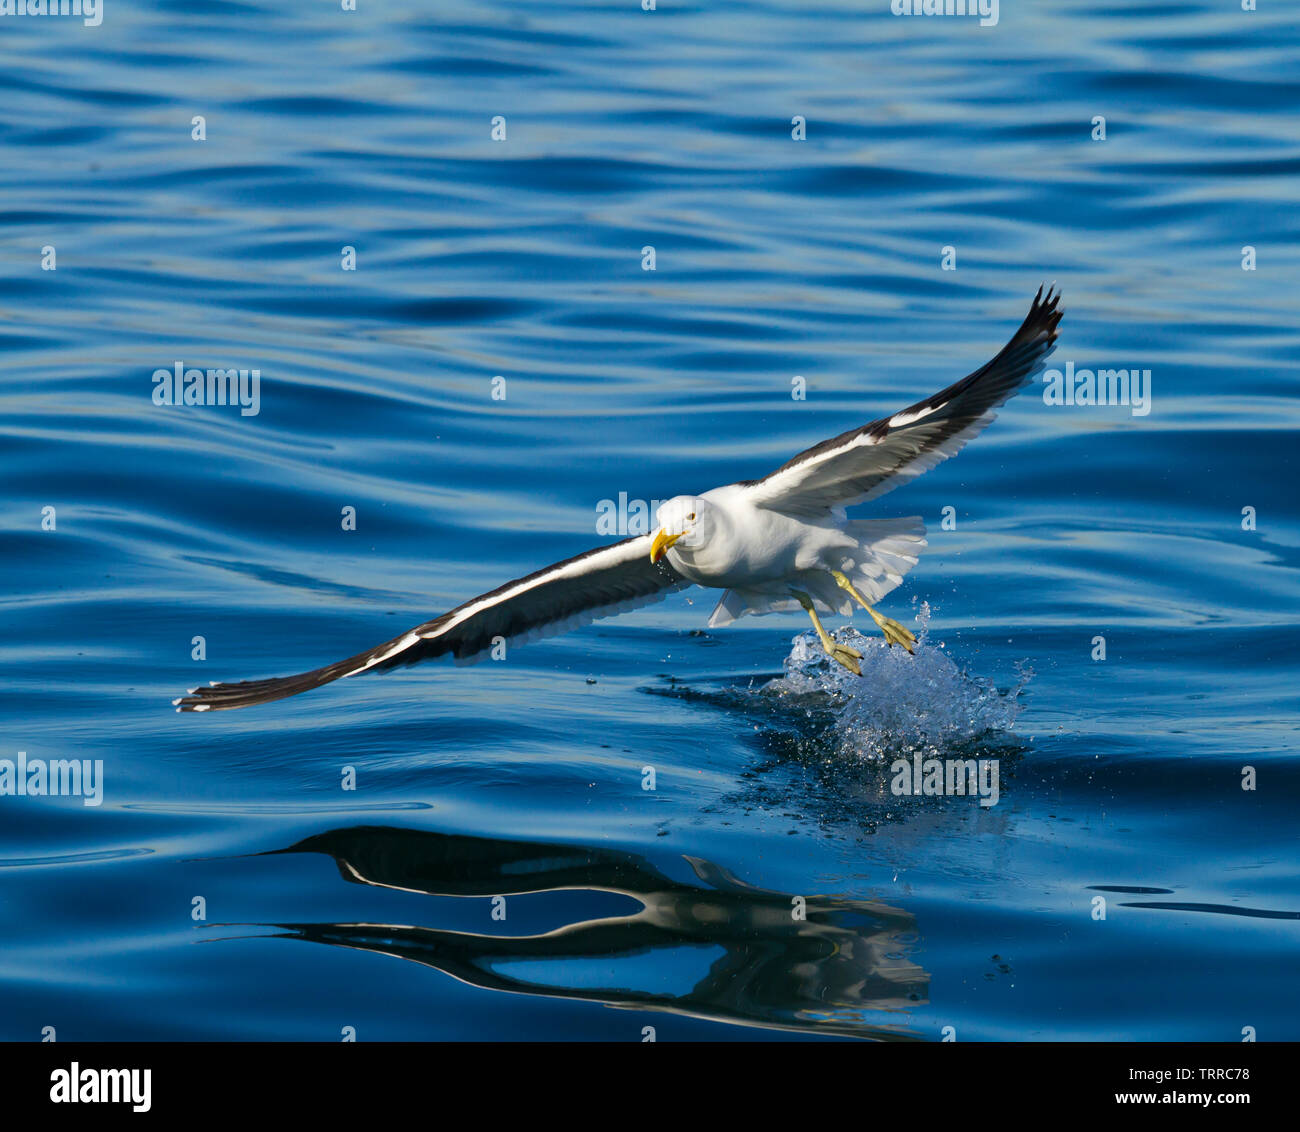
(901, 705)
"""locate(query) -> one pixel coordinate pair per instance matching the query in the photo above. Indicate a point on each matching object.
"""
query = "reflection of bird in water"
(782, 542)
(819, 964)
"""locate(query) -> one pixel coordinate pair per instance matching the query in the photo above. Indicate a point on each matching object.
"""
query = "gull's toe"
(896, 634)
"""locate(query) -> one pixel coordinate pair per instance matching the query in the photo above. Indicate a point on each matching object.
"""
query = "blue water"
(192, 902)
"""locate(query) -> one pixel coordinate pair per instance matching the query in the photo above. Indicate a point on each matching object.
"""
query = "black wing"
(866, 462)
(600, 583)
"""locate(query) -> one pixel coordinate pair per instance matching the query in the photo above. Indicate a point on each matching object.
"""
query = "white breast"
(750, 545)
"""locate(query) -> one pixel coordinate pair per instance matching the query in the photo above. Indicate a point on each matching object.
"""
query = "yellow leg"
(895, 634)
(839, 653)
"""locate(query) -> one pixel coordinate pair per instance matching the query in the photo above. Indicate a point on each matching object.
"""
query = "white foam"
(901, 704)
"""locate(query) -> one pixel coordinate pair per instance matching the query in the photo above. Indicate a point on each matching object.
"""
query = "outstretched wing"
(601, 583)
(866, 462)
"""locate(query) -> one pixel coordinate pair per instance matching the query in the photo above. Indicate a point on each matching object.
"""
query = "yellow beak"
(663, 540)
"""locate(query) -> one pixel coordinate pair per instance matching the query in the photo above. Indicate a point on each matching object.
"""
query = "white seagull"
(778, 543)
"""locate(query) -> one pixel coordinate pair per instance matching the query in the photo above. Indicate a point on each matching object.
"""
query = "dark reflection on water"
(787, 962)
(1218, 909)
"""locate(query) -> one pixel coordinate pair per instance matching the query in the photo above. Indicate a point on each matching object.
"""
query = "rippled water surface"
(501, 869)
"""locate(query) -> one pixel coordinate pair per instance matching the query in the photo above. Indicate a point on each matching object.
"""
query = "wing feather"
(866, 462)
(600, 583)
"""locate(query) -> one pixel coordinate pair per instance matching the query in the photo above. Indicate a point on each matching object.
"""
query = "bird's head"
(685, 521)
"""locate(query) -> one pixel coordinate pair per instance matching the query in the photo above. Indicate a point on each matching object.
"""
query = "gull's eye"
(691, 516)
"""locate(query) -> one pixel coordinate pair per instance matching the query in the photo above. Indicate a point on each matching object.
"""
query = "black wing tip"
(220, 697)
(1045, 313)
(246, 693)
